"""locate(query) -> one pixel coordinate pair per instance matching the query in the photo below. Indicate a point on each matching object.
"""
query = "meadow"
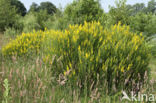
(80, 55)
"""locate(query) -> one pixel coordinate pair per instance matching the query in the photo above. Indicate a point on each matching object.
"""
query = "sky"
(104, 3)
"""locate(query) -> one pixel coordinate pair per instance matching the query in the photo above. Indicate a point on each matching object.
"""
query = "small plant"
(6, 92)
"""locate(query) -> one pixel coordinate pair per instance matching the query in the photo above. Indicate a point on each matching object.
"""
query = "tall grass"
(32, 82)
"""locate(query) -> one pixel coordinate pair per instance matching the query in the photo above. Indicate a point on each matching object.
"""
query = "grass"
(32, 82)
(1, 36)
(153, 68)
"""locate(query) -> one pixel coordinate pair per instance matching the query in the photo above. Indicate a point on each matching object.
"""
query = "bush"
(24, 44)
(30, 23)
(109, 57)
(11, 32)
(144, 23)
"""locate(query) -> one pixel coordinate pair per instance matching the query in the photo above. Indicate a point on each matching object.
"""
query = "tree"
(7, 14)
(34, 7)
(144, 23)
(151, 6)
(19, 6)
(83, 10)
(138, 7)
(44, 6)
(48, 6)
(119, 13)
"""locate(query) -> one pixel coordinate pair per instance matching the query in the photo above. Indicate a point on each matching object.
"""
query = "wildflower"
(87, 55)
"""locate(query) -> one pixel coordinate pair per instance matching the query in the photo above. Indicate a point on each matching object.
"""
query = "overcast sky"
(63, 3)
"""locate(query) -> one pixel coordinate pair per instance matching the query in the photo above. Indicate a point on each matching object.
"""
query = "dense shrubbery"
(114, 54)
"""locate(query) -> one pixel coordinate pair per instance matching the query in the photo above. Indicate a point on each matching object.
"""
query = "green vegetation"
(77, 55)
(7, 17)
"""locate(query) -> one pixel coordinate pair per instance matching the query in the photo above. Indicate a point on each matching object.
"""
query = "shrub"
(11, 32)
(144, 23)
(113, 57)
(24, 44)
(30, 23)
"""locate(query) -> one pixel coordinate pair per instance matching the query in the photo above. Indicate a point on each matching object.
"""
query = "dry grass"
(27, 82)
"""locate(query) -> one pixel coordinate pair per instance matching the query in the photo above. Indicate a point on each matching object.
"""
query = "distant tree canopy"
(140, 7)
(48, 6)
(83, 10)
(7, 14)
(144, 23)
(33, 7)
(151, 6)
(44, 6)
(119, 13)
(19, 6)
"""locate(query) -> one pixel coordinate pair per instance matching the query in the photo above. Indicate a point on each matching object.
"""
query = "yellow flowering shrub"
(24, 44)
(89, 52)
(115, 54)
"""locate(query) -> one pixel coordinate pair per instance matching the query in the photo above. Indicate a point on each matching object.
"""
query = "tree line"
(14, 16)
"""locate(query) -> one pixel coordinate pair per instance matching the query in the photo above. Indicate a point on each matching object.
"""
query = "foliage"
(24, 44)
(16, 28)
(19, 6)
(30, 23)
(89, 51)
(33, 7)
(144, 23)
(6, 92)
(83, 10)
(54, 22)
(11, 32)
(152, 43)
(36, 21)
(119, 13)
(49, 7)
(151, 6)
(136, 8)
(42, 16)
(7, 14)
(141, 8)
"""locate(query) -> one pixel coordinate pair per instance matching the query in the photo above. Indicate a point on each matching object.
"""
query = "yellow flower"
(87, 55)
(74, 72)
(129, 66)
(122, 69)
(67, 68)
(70, 65)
